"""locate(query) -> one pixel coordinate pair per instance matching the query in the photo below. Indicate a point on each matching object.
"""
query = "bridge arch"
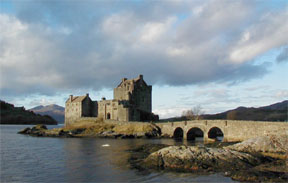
(216, 133)
(178, 133)
(195, 132)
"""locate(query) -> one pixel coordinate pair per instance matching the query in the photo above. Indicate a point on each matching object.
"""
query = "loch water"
(46, 159)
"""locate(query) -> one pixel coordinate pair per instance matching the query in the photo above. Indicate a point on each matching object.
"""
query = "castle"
(132, 102)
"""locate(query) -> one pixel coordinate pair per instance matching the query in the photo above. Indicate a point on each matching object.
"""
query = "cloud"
(283, 56)
(269, 32)
(51, 47)
(282, 94)
(169, 112)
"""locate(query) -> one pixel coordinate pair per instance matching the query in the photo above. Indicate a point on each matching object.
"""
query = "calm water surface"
(35, 159)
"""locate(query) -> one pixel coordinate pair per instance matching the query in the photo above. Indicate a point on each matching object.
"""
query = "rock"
(200, 159)
(266, 144)
(25, 131)
(39, 127)
(139, 153)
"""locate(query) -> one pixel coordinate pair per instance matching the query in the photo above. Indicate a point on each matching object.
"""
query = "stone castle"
(132, 102)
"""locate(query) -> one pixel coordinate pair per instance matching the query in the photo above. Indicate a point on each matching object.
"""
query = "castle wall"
(121, 93)
(72, 112)
(123, 113)
(86, 107)
(142, 97)
(108, 109)
(94, 109)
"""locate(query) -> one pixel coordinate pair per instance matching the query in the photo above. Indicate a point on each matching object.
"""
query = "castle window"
(108, 116)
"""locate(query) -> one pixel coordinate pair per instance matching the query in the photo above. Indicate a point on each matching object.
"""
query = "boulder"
(200, 159)
(266, 144)
(25, 131)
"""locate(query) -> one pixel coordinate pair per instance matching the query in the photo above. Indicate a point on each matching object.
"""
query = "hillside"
(18, 115)
(55, 111)
(274, 112)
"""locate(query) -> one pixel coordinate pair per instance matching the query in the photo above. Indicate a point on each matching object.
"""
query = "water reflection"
(86, 158)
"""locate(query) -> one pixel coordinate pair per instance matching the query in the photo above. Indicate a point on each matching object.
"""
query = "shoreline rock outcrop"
(200, 159)
(263, 144)
(104, 130)
(255, 160)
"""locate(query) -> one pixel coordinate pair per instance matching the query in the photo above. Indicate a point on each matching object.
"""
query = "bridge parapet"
(232, 130)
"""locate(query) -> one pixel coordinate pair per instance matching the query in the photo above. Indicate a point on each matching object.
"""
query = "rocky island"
(97, 128)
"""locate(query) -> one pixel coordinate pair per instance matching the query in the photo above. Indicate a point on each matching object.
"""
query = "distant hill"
(55, 111)
(18, 115)
(274, 112)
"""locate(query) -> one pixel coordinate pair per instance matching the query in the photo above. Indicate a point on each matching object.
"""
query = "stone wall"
(86, 107)
(121, 93)
(142, 96)
(232, 130)
(72, 112)
(94, 109)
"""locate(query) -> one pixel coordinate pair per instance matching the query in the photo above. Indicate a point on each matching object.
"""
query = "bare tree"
(188, 114)
(194, 113)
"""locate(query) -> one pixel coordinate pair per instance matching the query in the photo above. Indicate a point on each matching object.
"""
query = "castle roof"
(76, 99)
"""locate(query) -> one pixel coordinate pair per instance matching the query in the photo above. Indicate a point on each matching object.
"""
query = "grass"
(93, 127)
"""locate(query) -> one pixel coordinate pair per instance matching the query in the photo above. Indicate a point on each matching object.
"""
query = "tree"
(194, 113)
(188, 114)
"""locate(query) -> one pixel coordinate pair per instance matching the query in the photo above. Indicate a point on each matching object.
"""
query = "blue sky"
(218, 54)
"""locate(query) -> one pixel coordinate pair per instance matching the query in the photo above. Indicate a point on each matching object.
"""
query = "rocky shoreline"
(97, 130)
(254, 165)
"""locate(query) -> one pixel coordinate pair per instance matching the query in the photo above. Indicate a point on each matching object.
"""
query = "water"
(37, 159)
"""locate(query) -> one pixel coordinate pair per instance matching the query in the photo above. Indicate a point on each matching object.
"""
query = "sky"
(217, 54)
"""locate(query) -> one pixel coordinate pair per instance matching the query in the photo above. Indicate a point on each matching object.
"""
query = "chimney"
(70, 98)
(140, 76)
(87, 94)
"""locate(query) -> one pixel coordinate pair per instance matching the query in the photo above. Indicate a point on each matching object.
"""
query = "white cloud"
(152, 31)
(169, 112)
(270, 32)
(94, 47)
(283, 94)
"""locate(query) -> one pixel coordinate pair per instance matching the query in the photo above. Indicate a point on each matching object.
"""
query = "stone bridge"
(229, 129)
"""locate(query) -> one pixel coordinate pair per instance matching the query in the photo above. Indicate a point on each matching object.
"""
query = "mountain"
(274, 112)
(19, 115)
(55, 111)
